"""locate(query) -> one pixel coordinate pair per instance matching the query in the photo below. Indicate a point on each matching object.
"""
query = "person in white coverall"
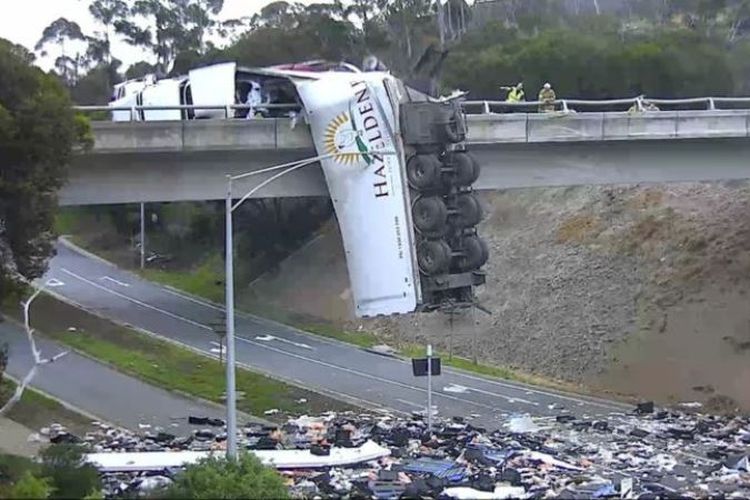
(254, 99)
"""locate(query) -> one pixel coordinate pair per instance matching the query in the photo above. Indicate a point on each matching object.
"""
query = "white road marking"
(54, 282)
(409, 403)
(116, 282)
(268, 338)
(458, 389)
(136, 301)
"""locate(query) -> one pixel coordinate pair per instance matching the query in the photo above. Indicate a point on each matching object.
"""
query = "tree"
(169, 27)
(245, 477)
(95, 87)
(139, 70)
(107, 12)
(59, 32)
(32, 487)
(3, 359)
(38, 132)
(69, 475)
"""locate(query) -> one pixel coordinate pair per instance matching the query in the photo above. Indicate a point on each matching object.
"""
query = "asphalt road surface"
(100, 390)
(325, 365)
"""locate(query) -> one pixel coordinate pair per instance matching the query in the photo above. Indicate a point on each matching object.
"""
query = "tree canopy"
(38, 132)
(245, 477)
(585, 48)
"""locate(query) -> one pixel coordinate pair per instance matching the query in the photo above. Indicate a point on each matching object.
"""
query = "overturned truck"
(396, 166)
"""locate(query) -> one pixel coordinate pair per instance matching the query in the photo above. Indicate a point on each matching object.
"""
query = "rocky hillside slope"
(639, 290)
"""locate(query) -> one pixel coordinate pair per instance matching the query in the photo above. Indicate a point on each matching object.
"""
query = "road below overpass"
(328, 366)
(99, 390)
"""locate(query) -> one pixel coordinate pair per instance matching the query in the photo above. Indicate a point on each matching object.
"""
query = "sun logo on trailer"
(340, 135)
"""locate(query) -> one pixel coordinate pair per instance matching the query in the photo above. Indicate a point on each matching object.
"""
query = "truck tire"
(423, 171)
(430, 216)
(452, 130)
(469, 210)
(433, 257)
(466, 168)
(475, 253)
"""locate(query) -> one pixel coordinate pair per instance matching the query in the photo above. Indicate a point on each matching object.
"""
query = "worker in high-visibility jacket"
(515, 94)
(547, 99)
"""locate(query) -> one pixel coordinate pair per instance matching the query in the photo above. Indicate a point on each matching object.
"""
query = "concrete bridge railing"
(280, 134)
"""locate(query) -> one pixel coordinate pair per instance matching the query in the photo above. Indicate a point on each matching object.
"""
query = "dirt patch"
(578, 228)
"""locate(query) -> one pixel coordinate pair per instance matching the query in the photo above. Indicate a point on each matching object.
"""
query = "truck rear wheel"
(434, 257)
(423, 171)
(430, 215)
(466, 168)
(469, 210)
(475, 253)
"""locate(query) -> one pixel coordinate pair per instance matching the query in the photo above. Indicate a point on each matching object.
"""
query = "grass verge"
(206, 280)
(167, 365)
(36, 410)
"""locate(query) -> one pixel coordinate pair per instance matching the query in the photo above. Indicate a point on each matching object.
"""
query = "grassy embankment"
(166, 364)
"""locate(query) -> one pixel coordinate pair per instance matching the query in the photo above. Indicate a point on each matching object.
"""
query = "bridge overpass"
(188, 160)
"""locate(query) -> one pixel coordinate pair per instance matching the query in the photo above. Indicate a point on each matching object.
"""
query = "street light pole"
(143, 235)
(229, 284)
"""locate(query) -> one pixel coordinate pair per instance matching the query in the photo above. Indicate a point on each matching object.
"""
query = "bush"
(70, 476)
(221, 478)
(12, 469)
(30, 486)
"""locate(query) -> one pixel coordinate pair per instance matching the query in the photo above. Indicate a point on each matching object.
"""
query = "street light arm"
(306, 161)
(271, 179)
(289, 167)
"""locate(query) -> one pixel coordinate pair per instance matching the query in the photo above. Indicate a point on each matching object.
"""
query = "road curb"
(63, 240)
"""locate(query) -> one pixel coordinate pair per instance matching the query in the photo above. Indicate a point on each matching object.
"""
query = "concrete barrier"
(488, 129)
(653, 125)
(557, 127)
(293, 138)
(724, 123)
(277, 134)
(229, 135)
(117, 137)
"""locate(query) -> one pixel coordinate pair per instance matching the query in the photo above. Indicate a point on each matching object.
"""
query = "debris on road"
(648, 453)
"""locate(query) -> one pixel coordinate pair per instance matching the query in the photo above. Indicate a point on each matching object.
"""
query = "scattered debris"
(272, 411)
(383, 350)
(648, 453)
(691, 404)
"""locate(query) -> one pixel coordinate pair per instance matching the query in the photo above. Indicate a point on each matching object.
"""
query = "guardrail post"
(711, 104)
(132, 113)
(565, 106)
(228, 112)
(486, 108)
